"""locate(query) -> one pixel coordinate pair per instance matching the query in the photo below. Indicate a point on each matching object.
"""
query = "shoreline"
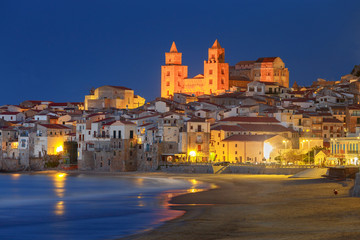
(246, 206)
(262, 207)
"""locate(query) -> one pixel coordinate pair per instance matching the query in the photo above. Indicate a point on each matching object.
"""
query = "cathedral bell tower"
(173, 73)
(216, 71)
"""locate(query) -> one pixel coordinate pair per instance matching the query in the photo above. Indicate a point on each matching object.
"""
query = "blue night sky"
(59, 50)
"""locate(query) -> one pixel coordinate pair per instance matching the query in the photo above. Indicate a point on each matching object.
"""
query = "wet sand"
(263, 207)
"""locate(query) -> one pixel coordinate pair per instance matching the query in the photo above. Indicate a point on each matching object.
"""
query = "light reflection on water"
(60, 206)
(59, 184)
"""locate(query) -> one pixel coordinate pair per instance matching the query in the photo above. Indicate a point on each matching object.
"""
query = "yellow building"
(113, 97)
(248, 148)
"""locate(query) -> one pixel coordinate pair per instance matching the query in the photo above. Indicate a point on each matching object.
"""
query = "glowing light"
(267, 150)
(14, 145)
(59, 208)
(59, 184)
(59, 149)
(192, 153)
(61, 175)
(194, 181)
(15, 176)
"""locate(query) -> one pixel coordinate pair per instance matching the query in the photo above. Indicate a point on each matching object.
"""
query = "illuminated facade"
(268, 69)
(50, 139)
(113, 97)
(174, 75)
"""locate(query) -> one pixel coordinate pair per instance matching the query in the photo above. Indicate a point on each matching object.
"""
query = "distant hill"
(356, 71)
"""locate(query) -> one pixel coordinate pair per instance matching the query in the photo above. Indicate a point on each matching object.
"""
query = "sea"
(62, 206)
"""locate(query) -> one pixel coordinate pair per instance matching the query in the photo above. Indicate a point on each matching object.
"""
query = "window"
(179, 74)
(235, 145)
(222, 81)
(131, 134)
(119, 134)
(210, 81)
(222, 71)
(235, 152)
(258, 89)
(325, 127)
(167, 83)
(167, 73)
(218, 134)
(114, 134)
(199, 148)
(210, 71)
(199, 128)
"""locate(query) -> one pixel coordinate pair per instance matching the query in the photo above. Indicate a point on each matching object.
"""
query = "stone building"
(197, 140)
(106, 97)
(268, 69)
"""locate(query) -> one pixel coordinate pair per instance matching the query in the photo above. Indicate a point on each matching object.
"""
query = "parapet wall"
(356, 190)
(230, 169)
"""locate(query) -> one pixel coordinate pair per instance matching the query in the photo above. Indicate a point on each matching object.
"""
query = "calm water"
(59, 206)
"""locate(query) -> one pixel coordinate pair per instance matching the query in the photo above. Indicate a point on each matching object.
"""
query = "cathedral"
(218, 77)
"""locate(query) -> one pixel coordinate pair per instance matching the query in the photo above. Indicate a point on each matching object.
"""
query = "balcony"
(101, 136)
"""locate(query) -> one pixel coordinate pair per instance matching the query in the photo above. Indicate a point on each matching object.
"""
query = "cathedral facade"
(218, 77)
(214, 80)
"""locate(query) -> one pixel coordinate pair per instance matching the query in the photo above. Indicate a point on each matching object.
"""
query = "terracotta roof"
(127, 123)
(119, 87)
(250, 119)
(54, 126)
(71, 134)
(147, 116)
(266, 59)
(9, 113)
(104, 119)
(264, 128)
(331, 120)
(109, 123)
(245, 62)
(197, 120)
(248, 138)
(228, 128)
(63, 104)
(146, 124)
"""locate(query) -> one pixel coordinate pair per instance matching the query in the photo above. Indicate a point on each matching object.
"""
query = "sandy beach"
(263, 207)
